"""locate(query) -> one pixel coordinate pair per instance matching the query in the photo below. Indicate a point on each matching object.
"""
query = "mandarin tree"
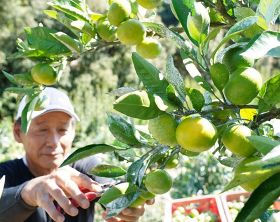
(227, 81)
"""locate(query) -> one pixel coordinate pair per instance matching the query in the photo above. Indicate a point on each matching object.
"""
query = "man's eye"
(62, 130)
(43, 130)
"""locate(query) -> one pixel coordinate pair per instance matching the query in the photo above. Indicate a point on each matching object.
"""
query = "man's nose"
(53, 139)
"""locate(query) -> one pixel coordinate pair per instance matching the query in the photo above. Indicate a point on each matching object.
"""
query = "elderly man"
(35, 185)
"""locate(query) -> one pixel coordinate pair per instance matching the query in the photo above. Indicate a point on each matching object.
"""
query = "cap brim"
(36, 114)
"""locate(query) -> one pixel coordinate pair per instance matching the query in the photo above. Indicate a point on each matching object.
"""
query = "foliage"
(247, 26)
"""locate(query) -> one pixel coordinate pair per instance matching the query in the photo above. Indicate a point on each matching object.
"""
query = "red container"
(202, 204)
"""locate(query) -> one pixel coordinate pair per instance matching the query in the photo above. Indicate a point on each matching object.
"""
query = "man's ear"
(17, 132)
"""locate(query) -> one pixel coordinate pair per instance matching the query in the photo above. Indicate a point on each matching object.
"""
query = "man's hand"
(60, 185)
(129, 214)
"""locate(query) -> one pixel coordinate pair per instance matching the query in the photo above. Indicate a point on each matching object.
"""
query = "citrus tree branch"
(263, 117)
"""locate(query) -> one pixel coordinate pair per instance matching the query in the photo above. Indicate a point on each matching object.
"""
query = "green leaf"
(260, 200)
(198, 23)
(72, 44)
(135, 171)
(26, 116)
(263, 144)
(2, 183)
(86, 151)
(70, 10)
(105, 170)
(20, 91)
(150, 76)
(252, 173)
(168, 34)
(84, 27)
(269, 9)
(172, 96)
(40, 38)
(196, 98)
(182, 11)
(175, 79)
(236, 29)
(270, 161)
(60, 17)
(137, 104)
(24, 79)
(269, 94)
(219, 74)
(10, 77)
(194, 73)
(266, 44)
(122, 130)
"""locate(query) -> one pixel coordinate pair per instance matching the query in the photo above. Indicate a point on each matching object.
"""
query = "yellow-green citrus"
(188, 153)
(114, 193)
(106, 31)
(146, 195)
(44, 74)
(171, 163)
(149, 4)
(158, 182)
(119, 11)
(259, 178)
(196, 134)
(243, 86)
(131, 32)
(235, 138)
(163, 129)
(139, 201)
(234, 59)
(150, 48)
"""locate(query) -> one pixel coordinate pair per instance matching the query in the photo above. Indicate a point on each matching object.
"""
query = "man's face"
(47, 141)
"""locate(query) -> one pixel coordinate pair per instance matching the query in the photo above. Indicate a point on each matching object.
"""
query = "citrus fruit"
(119, 11)
(44, 74)
(172, 162)
(158, 181)
(106, 31)
(196, 134)
(163, 129)
(149, 4)
(243, 86)
(235, 138)
(114, 193)
(219, 75)
(144, 196)
(234, 59)
(253, 184)
(188, 153)
(150, 48)
(131, 32)
(139, 201)
(198, 23)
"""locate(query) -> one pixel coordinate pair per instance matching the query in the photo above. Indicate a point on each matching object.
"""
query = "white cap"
(57, 101)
